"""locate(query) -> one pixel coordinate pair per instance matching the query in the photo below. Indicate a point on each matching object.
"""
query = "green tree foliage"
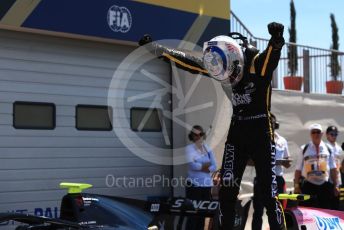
(292, 49)
(334, 64)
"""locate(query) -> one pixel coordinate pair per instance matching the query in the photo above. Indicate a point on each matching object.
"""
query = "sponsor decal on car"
(198, 204)
(316, 218)
(51, 212)
(155, 207)
(327, 223)
(89, 200)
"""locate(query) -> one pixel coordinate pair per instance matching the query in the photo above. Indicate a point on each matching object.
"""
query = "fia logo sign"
(119, 19)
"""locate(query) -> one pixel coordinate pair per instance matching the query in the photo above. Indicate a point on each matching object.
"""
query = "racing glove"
(153, 47)
(145, 40)
(276, 31)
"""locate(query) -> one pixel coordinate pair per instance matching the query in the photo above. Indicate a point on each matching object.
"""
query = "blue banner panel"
(117, 19)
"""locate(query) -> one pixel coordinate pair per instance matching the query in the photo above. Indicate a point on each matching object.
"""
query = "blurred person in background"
(316, 165)
(201, 163)
(336, 150)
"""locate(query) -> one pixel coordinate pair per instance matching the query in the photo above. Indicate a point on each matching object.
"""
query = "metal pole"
(306, 75)
(274, 83)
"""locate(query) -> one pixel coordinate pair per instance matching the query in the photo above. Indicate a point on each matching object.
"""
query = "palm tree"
(292, 49)
(334, 64)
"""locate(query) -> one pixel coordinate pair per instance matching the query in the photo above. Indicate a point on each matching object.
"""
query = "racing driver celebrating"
(249, 73)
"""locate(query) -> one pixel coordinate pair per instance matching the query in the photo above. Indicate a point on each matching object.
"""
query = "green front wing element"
(75, 187)
(298, 197)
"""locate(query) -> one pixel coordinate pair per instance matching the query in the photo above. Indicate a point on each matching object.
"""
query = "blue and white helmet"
(223, 58)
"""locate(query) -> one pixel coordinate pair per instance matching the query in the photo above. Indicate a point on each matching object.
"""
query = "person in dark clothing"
(250, 134)
(282, 155)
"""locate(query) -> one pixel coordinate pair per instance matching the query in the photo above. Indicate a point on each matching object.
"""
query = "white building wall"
(67, 72)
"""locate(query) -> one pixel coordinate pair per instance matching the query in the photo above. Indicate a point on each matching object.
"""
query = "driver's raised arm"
(184, 60)
(266, 62)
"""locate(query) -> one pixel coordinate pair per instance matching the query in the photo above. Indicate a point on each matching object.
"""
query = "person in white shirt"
(336, 150)
(316, 165)
(282, 155)
(201, 163)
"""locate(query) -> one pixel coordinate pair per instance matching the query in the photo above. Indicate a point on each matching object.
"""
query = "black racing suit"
(257, 219)
(250, 134)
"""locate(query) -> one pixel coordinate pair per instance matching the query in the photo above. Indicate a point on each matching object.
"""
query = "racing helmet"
(223, 58)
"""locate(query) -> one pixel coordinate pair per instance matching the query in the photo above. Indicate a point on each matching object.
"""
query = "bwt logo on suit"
(119, 19)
